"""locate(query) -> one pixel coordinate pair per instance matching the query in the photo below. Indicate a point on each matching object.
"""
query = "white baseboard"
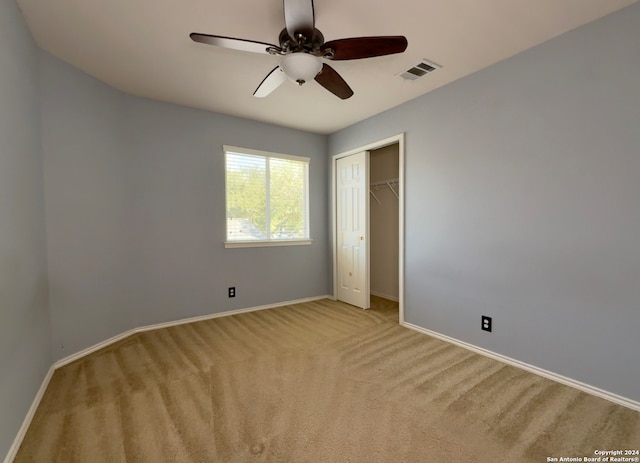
(385, 296)
(94, 348)
(182, 321)
(13, 450)
(228, 313)
(610, 396)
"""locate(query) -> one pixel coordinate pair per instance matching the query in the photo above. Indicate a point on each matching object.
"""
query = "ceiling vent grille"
(421, 69)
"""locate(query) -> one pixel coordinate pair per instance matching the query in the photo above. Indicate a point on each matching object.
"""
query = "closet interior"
(384, 221)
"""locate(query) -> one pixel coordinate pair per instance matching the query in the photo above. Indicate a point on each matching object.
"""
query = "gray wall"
(24, 319)
(135, 212)
(522, 204)
(178, 224)
(85, 183)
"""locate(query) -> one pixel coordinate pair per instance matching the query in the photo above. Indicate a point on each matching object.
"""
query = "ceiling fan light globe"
(300, 67)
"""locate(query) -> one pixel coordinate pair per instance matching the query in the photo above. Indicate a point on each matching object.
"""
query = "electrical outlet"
(486, 323)
(232, 291)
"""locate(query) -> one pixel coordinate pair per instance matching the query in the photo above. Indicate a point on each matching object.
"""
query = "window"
(267, 198)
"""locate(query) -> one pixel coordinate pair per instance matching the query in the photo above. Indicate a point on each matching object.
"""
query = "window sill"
(266, 244)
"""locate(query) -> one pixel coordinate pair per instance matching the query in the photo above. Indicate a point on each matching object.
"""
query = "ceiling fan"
(302, 48)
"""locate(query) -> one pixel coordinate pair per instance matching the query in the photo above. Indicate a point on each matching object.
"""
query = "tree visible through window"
(267, 196)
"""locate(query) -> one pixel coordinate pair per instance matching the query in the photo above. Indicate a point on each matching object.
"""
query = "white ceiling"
(142, 47)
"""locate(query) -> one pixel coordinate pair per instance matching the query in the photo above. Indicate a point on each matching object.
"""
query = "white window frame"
(267, 242)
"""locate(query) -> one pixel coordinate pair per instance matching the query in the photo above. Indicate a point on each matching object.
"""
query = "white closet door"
(352, 203)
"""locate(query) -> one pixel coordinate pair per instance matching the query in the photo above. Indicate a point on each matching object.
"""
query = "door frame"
(399, 139)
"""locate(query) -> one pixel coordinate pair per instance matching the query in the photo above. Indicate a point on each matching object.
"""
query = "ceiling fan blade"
(366, 47)
(273, 80)
(230, 42)
(299, 18)
(332, 81)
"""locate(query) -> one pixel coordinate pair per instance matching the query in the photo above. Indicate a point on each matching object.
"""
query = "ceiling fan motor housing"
(311, 44)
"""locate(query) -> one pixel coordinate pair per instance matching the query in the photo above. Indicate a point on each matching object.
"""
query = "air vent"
(419, 70)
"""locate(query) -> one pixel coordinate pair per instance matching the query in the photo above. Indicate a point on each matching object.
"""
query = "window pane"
(267, 196)
(246, 197)
(287, 199)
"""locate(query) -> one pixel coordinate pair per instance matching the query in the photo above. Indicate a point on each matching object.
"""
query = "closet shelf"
(392, 184)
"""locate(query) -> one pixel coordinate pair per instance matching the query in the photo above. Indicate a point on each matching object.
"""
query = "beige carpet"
(314, 382)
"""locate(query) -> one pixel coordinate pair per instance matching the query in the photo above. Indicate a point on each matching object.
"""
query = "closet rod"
(383, 183)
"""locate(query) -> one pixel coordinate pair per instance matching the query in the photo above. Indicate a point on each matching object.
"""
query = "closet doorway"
(384, 180)
(383, 238)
